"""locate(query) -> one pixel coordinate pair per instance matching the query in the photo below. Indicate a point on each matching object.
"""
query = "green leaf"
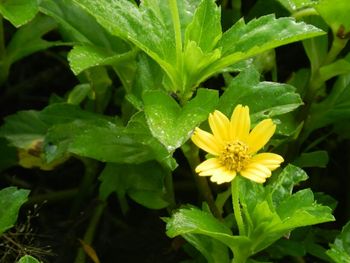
(22, 128)
(242, 40)
(28, 259)
(214, 251)
(84, 30)
(144, 183)
(335, 13)
(274, 98)
(84, 57)
(194, 221)
(294, 5)
(205, 28)
(139, 130)
(312, 159)
(282, 187)
(340, 249)
(171, 124)
(11, 199)
(78, 94)
(300, 209)
(141, 26)
(19, 12)
(334, 108)
(29, 39)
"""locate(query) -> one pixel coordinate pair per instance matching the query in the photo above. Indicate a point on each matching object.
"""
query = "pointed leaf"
(194, 221)
(274, 98)
(19, 12)
(205, 28)
(171, 124)
(340, 249)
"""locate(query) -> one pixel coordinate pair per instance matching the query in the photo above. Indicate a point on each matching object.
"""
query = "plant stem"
(237, 206)
(191, 154)
(305, 12)
(90, 231)
(337, 46)
(85, 185)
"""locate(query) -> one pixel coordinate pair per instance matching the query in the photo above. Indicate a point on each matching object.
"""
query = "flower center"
(234, 156)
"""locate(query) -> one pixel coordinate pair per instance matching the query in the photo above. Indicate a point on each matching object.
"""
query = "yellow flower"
(235, 147)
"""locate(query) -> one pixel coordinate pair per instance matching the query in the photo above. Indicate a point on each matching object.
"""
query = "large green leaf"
(194, 221)
(335, 13)
(11, 199)
(340, 249)
(144, 183)
(274, 211)
(171, 124)
(274, 98)
(84, 30)
(19, 12)
(242, 40)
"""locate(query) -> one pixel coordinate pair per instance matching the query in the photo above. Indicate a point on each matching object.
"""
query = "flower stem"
(90, 231)
(191, 154)
(304, 12)
(237, 206)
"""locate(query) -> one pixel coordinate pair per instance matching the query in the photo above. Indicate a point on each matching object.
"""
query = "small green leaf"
(282, 187)
(144, 183)
(78, 94)
(84, 57)
(19, 12)
(294, 5)
(28, 259)
(22, 128)
(29, 39)
(11, 199)
(171, 124)
(205, 28)
(194, 221)
(274, 98)
(340, 249)
(312, 159)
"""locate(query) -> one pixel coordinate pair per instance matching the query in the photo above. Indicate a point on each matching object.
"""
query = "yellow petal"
(260, 135)
(206, 141)
(220, 125)
(223, 176)
(256, 172)
(270, 160)
(240, 123)
(212, 163)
